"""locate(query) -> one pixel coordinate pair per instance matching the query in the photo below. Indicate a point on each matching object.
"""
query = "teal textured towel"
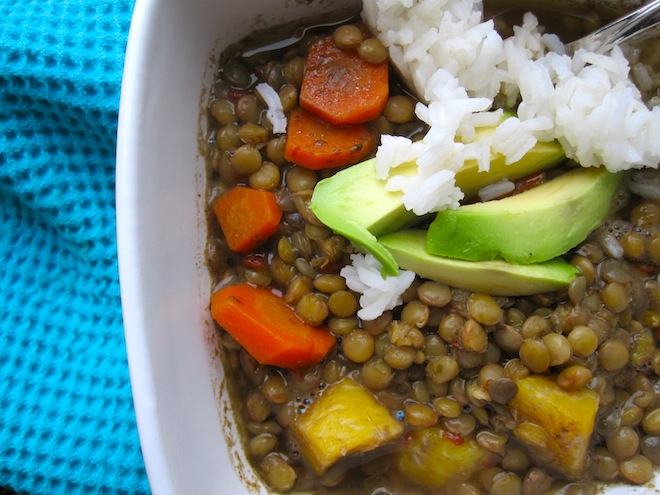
(67, 424)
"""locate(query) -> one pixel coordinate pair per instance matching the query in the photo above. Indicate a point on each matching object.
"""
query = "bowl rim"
(126, 193)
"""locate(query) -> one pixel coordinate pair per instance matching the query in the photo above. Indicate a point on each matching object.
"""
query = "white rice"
(457, 64)
(378, 294)
(275, 112)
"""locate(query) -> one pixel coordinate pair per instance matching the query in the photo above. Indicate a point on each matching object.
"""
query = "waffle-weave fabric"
(67, 424)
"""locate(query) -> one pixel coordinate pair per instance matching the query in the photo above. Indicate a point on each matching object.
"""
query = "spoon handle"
(605, 38)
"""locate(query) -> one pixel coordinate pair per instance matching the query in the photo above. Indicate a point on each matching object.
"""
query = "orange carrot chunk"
(248, 217)
(269, 329)
(315, 144)
(340, 87)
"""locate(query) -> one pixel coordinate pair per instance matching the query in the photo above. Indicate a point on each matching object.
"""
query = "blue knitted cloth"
(67, 424)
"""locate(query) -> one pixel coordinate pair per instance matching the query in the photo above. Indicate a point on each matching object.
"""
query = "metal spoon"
(629, 26)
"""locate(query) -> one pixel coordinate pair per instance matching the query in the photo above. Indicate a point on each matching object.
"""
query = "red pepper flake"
(455, 438)
(236, 94)
(254, 261)
(527, 182)
(647, 268)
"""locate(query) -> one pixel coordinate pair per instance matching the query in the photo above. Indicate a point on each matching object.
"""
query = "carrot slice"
(315, 144)
(248, 217)
(269, 329)
(341, 87)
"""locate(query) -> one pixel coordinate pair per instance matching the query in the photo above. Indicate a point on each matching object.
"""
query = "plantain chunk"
(554, 424)
(434, 457)
(345, 420)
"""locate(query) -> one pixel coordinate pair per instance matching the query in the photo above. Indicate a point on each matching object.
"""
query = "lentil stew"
(451, 376)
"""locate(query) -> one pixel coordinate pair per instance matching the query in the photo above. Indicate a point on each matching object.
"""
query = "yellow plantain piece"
(434, 457)
(345, 420)
(554, 424)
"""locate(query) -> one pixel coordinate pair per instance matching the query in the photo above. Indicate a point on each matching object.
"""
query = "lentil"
(373, 51)
(638, 469)
(358, 346)
(348, 36)
(535, 355)
(312, 308)
(399, 109)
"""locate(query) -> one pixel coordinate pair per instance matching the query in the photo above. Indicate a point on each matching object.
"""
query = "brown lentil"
(583, 340)
(348, 36)
(373, 51)
(560, 348)
(227, 138)
(442, 369)
(275, 389)
(535, 355)
(506, 483)
(434, 345)
(491, 441)
(515, 369)
(449, 327)
(358, 346)
(650, 447)
(246, 159)
(613, 355)
(516, 459)
(574, 377)
(312, 308)
(262, 444)
(536, 481)
(223, 111)
(279, 475)
(420, 415)
(484, 309)
(535, 326)
(508, 338)
(342, 303)
(275, 150)
(378, 325)
(651, 421)
(399, 109)
(400, 358)
(258, 408)
(615, 297)
(248, 109)
(300, 179)
(252, 134)
(638, 469)
(606, 467)
(288, 97)
(623, 443)
(463, 425)
(267, 178)
(434, 294)
(329, 283)
(502, 390)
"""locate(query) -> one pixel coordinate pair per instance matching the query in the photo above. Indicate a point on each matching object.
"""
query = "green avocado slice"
(491, 277)
(536, 225)
(355, 204)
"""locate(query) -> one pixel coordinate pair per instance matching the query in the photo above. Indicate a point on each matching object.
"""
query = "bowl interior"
(189, 440)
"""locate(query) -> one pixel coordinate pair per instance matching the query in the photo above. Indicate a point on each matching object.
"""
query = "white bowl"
(186, 430)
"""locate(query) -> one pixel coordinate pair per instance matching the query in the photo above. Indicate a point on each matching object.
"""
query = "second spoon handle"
(605, 38)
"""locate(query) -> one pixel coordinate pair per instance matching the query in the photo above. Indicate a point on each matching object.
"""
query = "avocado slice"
(355, 204)
(536, 225)
(492, 277)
